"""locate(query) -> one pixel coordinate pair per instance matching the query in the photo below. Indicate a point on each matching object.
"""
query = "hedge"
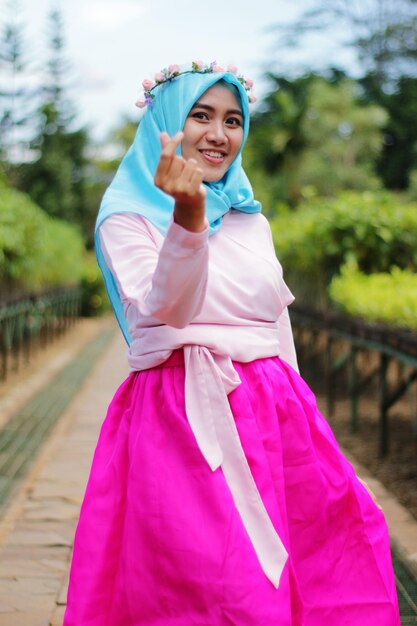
(371, 231)
(36, 251)
(380, 297)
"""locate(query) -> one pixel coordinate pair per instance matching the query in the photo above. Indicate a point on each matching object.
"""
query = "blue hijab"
(132, 190)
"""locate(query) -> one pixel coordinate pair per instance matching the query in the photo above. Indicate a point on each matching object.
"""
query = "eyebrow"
(207, 107)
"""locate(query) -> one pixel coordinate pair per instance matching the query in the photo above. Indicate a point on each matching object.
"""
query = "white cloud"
(107, 15)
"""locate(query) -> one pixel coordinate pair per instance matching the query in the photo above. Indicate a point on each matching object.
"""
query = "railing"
(337, 342)
(32, 322)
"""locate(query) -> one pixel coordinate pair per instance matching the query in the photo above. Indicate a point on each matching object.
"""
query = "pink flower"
(159, 77)
(199, 64)
(217, 68)
(252, 99)
(232, 68)
(140, 103)
(147, 84)
(248, 83)
(174, 69)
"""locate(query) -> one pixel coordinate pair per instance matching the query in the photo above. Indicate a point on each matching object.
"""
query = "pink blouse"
(225, 291)
(220, 298)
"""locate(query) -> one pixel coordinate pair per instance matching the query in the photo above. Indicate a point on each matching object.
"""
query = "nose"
(215, 134)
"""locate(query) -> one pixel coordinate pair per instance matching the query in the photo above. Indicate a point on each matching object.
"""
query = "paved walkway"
(37, 530)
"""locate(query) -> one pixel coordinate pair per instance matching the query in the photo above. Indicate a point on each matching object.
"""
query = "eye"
(234, 121)
(199, 115)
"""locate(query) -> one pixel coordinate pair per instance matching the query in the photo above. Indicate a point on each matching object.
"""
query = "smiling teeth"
(214, 154)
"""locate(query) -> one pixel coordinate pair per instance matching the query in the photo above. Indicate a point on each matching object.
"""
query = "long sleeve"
(286, 340)
(165, 282)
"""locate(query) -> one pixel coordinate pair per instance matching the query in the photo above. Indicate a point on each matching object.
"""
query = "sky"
(113, 45)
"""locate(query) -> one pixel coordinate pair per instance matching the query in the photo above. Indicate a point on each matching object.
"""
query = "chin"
(213, 178)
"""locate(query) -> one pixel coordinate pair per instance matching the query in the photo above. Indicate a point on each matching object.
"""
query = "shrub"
(371, 231)
(36, 251)
(381, 297)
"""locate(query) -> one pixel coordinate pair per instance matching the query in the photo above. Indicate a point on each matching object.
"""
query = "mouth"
(216, 157)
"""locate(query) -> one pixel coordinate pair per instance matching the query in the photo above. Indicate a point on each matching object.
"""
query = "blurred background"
(333, 132)
(332, 156)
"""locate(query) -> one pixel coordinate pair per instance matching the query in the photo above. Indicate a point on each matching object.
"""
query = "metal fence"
(337, 342)
(32, 322)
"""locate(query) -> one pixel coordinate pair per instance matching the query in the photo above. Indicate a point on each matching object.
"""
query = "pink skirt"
(160, 542)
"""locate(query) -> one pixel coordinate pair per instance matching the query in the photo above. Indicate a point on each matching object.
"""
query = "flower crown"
(197, 67)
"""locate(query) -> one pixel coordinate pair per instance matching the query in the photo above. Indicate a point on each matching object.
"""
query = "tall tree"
(56, 177)
(399, 155)
(382, 32)
(314, 135)
(14, 88)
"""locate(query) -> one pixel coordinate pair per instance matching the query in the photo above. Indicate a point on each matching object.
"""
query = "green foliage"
(382, 33)
(399, 154)
(382, 297)
(343, 139)
(36, 251)
(370, 231)
(314, 133)
(412, 190)
(55, 180)
(94, 300)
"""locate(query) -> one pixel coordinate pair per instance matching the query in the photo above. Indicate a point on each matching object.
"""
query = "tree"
(399, 155)
(14, 90)
(55, 179)
(383, 33)
(315, 136)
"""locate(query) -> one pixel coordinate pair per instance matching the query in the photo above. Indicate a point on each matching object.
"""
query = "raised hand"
(183, 180)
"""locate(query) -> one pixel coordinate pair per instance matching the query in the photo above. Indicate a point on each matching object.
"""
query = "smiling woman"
(218, 495)
(213, 131)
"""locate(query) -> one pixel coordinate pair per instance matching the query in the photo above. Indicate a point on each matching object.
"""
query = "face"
(213, 132)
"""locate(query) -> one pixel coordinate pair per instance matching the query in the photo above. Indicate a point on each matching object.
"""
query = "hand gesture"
(183, 180)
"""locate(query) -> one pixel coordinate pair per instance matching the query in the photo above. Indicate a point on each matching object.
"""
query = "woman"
(218, 495)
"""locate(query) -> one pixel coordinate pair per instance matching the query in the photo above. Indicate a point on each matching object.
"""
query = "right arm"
(169, 284)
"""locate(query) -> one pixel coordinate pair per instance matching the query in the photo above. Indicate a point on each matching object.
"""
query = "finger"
(164, 138)
(189, 169)
(170, 144)
(169, 179)
(175, 171)
(184, 180)
(191, 178)
(196, 183)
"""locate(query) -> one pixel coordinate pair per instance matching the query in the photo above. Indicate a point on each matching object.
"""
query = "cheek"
(237, 142)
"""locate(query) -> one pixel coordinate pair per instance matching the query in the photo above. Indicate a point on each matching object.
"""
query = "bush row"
(380, 297)
(371, 232)
(36, 251)
(374, 230)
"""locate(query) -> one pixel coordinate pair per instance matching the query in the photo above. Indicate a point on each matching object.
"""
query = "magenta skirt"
(160, 542)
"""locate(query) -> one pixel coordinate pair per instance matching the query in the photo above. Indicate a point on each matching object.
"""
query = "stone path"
(37, 529)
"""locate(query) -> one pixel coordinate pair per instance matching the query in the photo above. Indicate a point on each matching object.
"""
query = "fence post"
(383, 410)
(354, 390)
